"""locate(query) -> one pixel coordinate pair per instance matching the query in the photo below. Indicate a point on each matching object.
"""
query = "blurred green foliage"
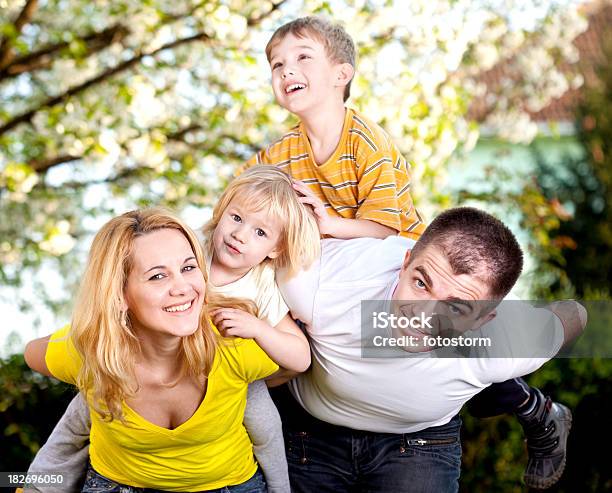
(567, 208)
(30, 406)
(582, 186)
(494, 453)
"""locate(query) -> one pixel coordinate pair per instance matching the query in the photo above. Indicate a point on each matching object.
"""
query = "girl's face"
(244, 238)
(165, 288)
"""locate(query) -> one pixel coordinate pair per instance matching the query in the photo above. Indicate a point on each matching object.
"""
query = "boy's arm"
(340, 227)
(285, 343)
(345, 229)
(384, 182)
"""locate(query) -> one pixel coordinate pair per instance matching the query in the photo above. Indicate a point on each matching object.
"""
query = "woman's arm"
(284, 343)
(34, 355)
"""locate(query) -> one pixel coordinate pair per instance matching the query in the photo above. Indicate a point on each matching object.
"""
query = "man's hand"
(237, 323)
(573, 316)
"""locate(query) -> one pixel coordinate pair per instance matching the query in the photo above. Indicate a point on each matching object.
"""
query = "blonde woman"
(259, 225)
(166, 394)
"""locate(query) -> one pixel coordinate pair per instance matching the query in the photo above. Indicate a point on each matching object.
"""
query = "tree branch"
(126, 173)
(179, 134)
(253, 21)
(44, 57)
(201, 36)
(167, 18)
(205, 145)
(24, 17)
(28, 115)
(42, 165)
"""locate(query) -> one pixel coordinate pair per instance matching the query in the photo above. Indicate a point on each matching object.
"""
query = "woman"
(166, 396)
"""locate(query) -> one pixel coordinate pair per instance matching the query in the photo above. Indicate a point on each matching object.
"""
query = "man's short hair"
(339, 46)
(476, 243)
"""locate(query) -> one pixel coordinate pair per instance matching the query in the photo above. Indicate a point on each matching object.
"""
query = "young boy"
(348, 169)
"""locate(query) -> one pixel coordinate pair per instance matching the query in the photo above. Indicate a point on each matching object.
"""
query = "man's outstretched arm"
(573, 317)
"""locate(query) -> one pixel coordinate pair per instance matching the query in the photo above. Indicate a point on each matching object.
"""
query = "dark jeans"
(96, 483)
(328, 458)
(499, 398)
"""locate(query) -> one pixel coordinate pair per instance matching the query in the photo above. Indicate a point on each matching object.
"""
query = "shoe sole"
(543, 484)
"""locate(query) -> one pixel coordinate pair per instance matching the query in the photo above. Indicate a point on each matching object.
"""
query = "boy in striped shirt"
(345, 166)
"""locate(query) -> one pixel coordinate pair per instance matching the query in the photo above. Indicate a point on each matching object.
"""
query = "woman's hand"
(237, 323)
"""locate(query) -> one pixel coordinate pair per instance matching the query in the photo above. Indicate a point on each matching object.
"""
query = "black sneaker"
(546, 429)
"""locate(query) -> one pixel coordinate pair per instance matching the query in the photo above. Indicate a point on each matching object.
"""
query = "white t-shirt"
(389, 395)
(258, 285)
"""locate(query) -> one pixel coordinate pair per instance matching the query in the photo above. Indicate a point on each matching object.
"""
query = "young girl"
(258, 225)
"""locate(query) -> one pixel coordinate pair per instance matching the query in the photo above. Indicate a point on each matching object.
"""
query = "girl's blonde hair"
(270, 189)
(101, 330)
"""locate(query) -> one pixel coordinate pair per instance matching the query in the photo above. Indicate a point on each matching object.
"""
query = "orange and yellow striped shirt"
(365, 178)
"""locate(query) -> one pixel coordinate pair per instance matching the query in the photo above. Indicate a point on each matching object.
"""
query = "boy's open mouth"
(294, 87)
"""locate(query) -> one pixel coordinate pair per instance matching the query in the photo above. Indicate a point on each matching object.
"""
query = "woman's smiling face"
(165, 287)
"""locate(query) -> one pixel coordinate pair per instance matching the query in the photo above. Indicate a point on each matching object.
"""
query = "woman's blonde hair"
(101, 330)
(268, 188)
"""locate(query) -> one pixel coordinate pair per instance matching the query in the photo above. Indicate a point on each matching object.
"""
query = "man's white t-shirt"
(388, 395)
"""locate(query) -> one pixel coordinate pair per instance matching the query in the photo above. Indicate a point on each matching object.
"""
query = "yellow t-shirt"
(365, 178)
(209, 450)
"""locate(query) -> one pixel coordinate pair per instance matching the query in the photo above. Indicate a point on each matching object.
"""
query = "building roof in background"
(589, 44)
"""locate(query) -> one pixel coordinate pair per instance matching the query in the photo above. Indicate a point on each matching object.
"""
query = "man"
(391, 424)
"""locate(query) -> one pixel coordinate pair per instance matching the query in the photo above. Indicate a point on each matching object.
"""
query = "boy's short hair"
(339, 46)
(475, 243)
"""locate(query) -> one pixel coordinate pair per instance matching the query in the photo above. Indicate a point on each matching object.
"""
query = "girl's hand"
(237, 323)
(324, 220)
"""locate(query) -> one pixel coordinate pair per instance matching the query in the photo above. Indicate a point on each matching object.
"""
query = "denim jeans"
(96, 483)
(326, 458)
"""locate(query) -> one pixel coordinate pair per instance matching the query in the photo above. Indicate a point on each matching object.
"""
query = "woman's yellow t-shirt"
(209, 450)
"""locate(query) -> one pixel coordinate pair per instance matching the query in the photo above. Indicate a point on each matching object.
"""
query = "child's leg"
(66, 452)
(263, 423)
(546, 425)
(500, 398)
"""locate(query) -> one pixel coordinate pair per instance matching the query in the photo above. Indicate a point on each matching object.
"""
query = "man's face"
(303, 77)
(428, 285)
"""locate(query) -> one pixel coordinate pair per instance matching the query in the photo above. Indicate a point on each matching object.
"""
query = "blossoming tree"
(107, 105)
